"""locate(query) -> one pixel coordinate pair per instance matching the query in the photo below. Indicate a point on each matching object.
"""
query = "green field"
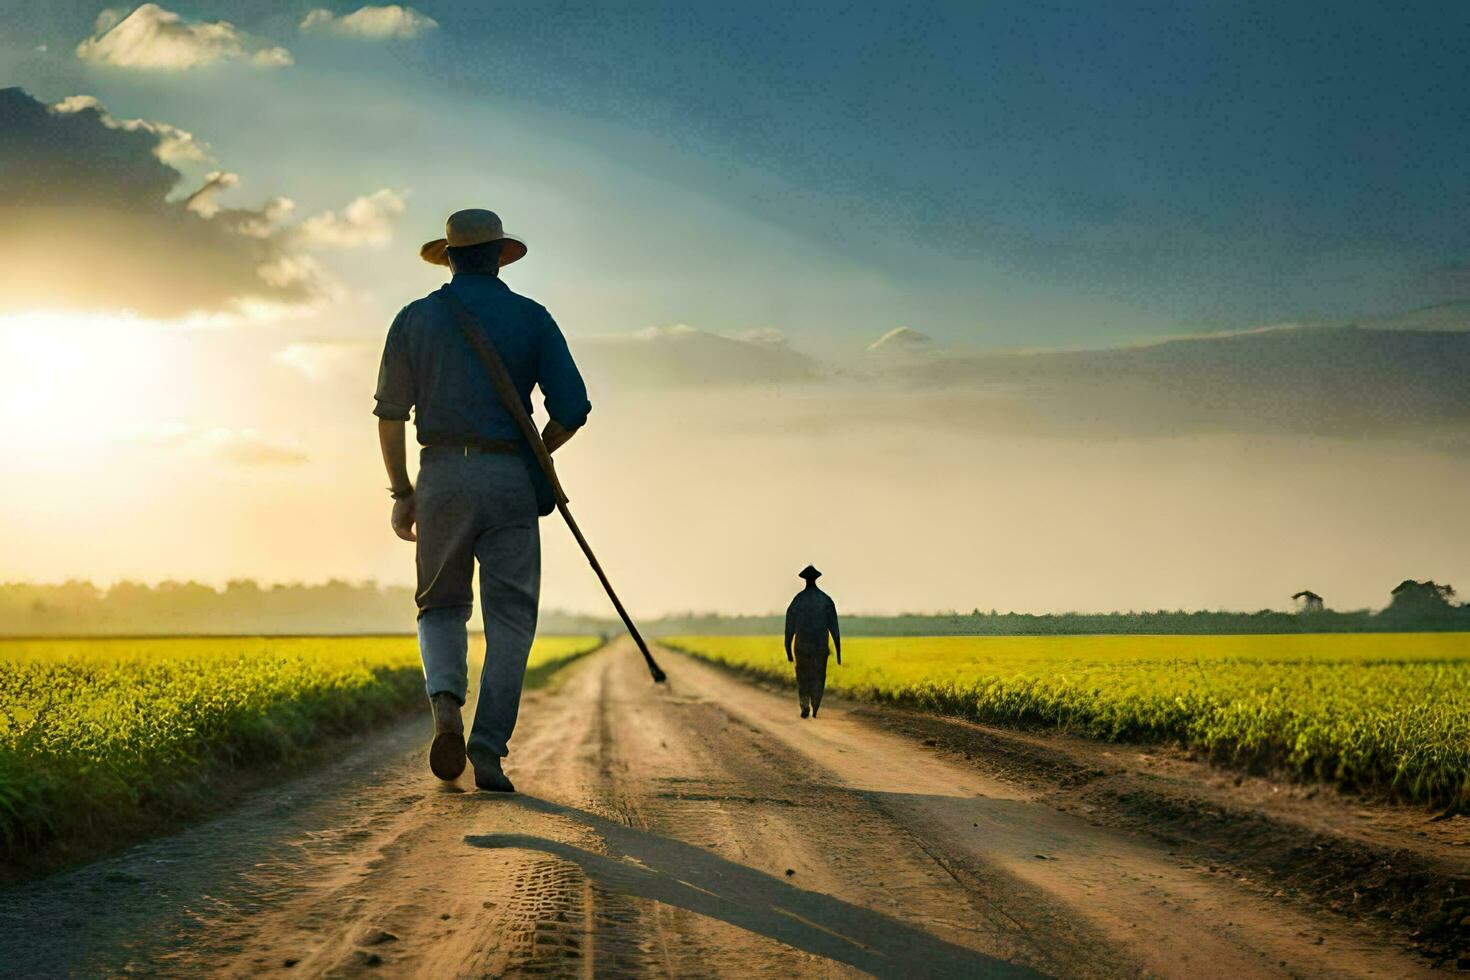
(1384, 712)
(99, 734)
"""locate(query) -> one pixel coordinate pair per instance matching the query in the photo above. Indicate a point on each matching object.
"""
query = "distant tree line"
(244, 607)
(1413, 607)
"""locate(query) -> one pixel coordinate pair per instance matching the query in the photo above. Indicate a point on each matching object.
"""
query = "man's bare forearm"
(555, 435)
(392, 438)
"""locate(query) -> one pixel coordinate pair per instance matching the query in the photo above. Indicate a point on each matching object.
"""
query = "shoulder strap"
(505, 387)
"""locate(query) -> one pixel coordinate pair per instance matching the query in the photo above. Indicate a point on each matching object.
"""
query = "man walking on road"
(480, 491)
(809, 618)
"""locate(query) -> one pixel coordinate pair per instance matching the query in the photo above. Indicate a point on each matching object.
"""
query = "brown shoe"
(446, 752)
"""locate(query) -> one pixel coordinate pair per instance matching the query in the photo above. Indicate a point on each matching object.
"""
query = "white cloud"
(320, 360)
(390, 22)
(272, 57)
(242, 447)
(153, 39)
(902, 338)
(683, 356)
(265, 222)
(145, 247)
(248, 447)
(202, 202)
(1321, 381)
(368, 220)
(764, 335)
(290, 270)
(175, 145)
(317, 19)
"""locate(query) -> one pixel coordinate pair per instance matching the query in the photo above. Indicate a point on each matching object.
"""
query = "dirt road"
(696, 829)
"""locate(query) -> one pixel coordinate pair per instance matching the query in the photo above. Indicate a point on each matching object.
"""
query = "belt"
(498, 447)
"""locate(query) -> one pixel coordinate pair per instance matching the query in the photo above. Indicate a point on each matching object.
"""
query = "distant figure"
(809, 618)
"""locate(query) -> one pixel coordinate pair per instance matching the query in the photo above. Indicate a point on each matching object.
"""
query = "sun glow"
(73, 379)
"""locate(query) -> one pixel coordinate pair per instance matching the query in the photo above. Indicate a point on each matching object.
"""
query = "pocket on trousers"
(506, 493)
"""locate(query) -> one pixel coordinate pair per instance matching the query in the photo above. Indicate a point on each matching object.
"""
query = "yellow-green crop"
(1382, 711)
(96, 733)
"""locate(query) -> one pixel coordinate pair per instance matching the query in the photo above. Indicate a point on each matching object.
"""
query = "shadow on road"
(647, 866)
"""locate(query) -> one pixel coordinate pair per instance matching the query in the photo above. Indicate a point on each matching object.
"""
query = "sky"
(1007, 305)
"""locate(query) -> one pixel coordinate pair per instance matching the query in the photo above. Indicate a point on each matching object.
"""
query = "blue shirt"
(429, 366)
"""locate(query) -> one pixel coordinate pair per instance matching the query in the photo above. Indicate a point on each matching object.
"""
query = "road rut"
(700, 828)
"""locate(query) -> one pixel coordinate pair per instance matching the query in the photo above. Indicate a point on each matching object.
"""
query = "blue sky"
(725, 205)
(1004, 174)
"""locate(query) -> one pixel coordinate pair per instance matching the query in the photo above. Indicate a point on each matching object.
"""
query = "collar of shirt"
(478, 278)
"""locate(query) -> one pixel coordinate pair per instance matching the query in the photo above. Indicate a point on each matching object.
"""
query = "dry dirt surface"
(699, 828)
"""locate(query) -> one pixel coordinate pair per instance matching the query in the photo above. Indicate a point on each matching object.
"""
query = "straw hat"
(473, 226)
(810, 574)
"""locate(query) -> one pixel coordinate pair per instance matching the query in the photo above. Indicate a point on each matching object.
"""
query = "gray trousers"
(478, 508)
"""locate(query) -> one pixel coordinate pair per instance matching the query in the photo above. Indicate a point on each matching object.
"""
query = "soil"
(702, 828)
(1407, 867)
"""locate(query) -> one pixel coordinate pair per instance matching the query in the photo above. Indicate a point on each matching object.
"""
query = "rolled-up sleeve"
(561, 383)
(395, 376)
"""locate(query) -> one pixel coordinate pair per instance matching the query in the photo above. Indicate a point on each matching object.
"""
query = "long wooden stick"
(653, 668)
(505, 387)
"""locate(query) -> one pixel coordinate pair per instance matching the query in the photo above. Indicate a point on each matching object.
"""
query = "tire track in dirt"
(1164, 915)
(703, 776)
(653, 837)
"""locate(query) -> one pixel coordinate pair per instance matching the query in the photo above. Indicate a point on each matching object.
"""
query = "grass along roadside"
(550, 655)
(102, 738)
(1388, 713)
